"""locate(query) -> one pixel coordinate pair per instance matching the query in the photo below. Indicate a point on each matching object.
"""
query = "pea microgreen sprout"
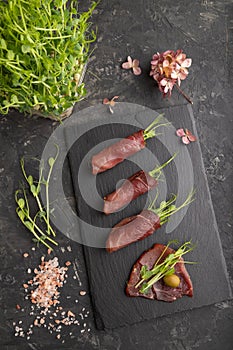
(150, 131)
(44, 49)
(51, 162)
(164, 268)
(23, 212)
(23, 209)
(167, 208)
(157, 172)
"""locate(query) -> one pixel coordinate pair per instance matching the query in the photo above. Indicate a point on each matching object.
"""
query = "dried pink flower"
(169, 68)
(180, 132)
(186, 136)
(134, 64)
(111, 103)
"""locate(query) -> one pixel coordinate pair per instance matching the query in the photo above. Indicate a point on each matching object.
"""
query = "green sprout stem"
(150, 131)
(51, 164)
(156, 172)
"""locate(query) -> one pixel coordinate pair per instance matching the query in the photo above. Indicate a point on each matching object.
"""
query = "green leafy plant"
(44, 48)
(34, 222)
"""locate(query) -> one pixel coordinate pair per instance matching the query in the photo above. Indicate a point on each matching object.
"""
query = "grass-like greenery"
(44, 47)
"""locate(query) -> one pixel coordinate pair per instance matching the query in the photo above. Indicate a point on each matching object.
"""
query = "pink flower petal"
(168, 52)
(129, 64)
(182, 75)
(135, 63)
(129, 59)
(137, 70)
(112, 101)
(178, 52)
(166, 63)
(180, 58)
(174, 75)
(185, 140)
(126, 65)
(156, 56)
(163, 82)
(114, 98)
(186, 63)
(180, 132)
(191, 137)
(171, 84)
(161, 70)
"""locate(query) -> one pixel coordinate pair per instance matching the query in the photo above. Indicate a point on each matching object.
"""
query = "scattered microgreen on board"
(44, 48)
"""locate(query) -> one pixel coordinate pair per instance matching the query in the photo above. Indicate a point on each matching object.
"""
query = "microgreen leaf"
(51, 161)
(14, 99)
(25, 48)
(143, 271)
(10, 55)
(162, 204)
(29, 225)
(33, 189)
(3, 44)
(21, 215)
(144, 289)
(21, 203)
(30, 179)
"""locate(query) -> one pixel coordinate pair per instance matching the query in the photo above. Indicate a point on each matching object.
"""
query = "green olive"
(171, 280)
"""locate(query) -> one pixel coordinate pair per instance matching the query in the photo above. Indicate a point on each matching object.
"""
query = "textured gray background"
(139, 28)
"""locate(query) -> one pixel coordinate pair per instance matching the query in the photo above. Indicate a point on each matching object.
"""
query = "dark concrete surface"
(203, 29)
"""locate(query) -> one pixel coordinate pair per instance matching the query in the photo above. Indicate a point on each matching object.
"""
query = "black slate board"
(108, 273)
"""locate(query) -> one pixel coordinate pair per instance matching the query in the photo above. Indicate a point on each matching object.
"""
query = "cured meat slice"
(118, 152)
(132, 229)
(159, 290)
(138, 227)
(133, 187)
